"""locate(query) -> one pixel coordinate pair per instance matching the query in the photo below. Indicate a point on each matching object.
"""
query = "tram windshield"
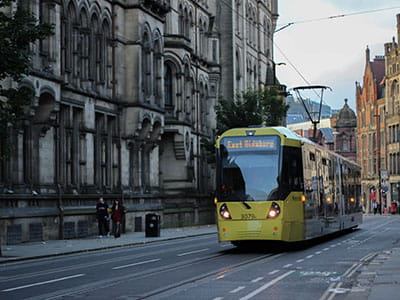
(249, 168)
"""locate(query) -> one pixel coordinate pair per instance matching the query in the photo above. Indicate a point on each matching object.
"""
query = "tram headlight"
(224, 212)
(274, 211)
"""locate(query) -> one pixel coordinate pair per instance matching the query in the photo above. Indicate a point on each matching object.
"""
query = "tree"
(18, 29)
(262, 107)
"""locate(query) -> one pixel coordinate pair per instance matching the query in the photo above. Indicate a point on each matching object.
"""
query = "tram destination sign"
(253, 143)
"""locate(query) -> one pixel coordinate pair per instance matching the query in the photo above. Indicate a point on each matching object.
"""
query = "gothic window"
(237, 17)
(255, 30)
(202, 107)
(83, 46)
(186, 23)
(188, 94)
(103, 150)
(205, 41)
(168, 89)
(95, 50)
(106, 56)
(157, 70)
(47, 15)
(70, 40)
(345, 145)
(113, 148)
(146, 62)
(181, 23)
(190, 26)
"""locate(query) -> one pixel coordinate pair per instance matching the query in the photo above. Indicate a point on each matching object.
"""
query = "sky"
(331, 52)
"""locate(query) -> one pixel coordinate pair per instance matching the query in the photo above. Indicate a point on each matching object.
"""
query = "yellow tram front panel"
(251, 221)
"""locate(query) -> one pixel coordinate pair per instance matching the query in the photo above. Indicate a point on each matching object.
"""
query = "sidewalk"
(49, 248)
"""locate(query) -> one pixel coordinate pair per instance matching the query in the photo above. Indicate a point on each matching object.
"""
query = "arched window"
(238, 20)
(157, 67)
(186, 23)
(95, 50)
(146, 63)
(188, 106)
(168, 88)
(70, 40)
(181, 23)
(106, 56)
(83, 46)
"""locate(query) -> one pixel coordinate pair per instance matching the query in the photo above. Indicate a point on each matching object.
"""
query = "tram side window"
(292, 170)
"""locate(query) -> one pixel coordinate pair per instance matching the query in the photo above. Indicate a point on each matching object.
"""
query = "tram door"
(320, 185)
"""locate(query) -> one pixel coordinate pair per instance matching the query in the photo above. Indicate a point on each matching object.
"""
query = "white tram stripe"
(257, 279)
(136, 264)
(310, 256)
(287, 266)
(273, 272)
(43, 282)
(265, 286)
(300, 260)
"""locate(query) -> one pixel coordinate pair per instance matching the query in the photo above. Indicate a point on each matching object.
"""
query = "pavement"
(377, 278)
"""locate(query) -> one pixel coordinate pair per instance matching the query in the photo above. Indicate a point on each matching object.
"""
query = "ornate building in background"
(370, 134)
(125, 92)
(392, 122)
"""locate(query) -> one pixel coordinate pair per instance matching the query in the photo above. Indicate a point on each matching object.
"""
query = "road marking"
(328, 290)
(287, 266)
(273, 272)
(237, 289)
(43, 282)
(193, 252)
(310, 256)
(218, 298)
(265, 286)
(325, 249)
(318, 252)
(257, 279)
(300, 260)
(136, 264)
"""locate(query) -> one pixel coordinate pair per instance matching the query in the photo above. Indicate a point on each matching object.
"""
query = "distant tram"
(275, 185)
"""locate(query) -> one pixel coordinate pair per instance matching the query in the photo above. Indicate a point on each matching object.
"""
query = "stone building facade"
(246, 29)
(392, 121)
(370, 99)
(124, 95)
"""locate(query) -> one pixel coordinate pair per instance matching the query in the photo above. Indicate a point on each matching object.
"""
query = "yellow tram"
(275, 185)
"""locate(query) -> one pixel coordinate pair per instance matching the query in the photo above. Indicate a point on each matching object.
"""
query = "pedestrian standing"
(375, 207)
(102, 217)
(117, 217)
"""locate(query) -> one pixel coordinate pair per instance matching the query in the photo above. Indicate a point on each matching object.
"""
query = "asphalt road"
(201, 268)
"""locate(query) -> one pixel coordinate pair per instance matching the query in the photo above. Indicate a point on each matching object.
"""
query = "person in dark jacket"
(117, 217)
(102, 217)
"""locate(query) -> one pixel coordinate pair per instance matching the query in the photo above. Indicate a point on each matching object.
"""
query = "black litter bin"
(152, 225)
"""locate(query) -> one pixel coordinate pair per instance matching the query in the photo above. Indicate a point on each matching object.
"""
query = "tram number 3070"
(248, 216)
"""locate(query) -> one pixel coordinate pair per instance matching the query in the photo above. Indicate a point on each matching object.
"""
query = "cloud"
(331, 52)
